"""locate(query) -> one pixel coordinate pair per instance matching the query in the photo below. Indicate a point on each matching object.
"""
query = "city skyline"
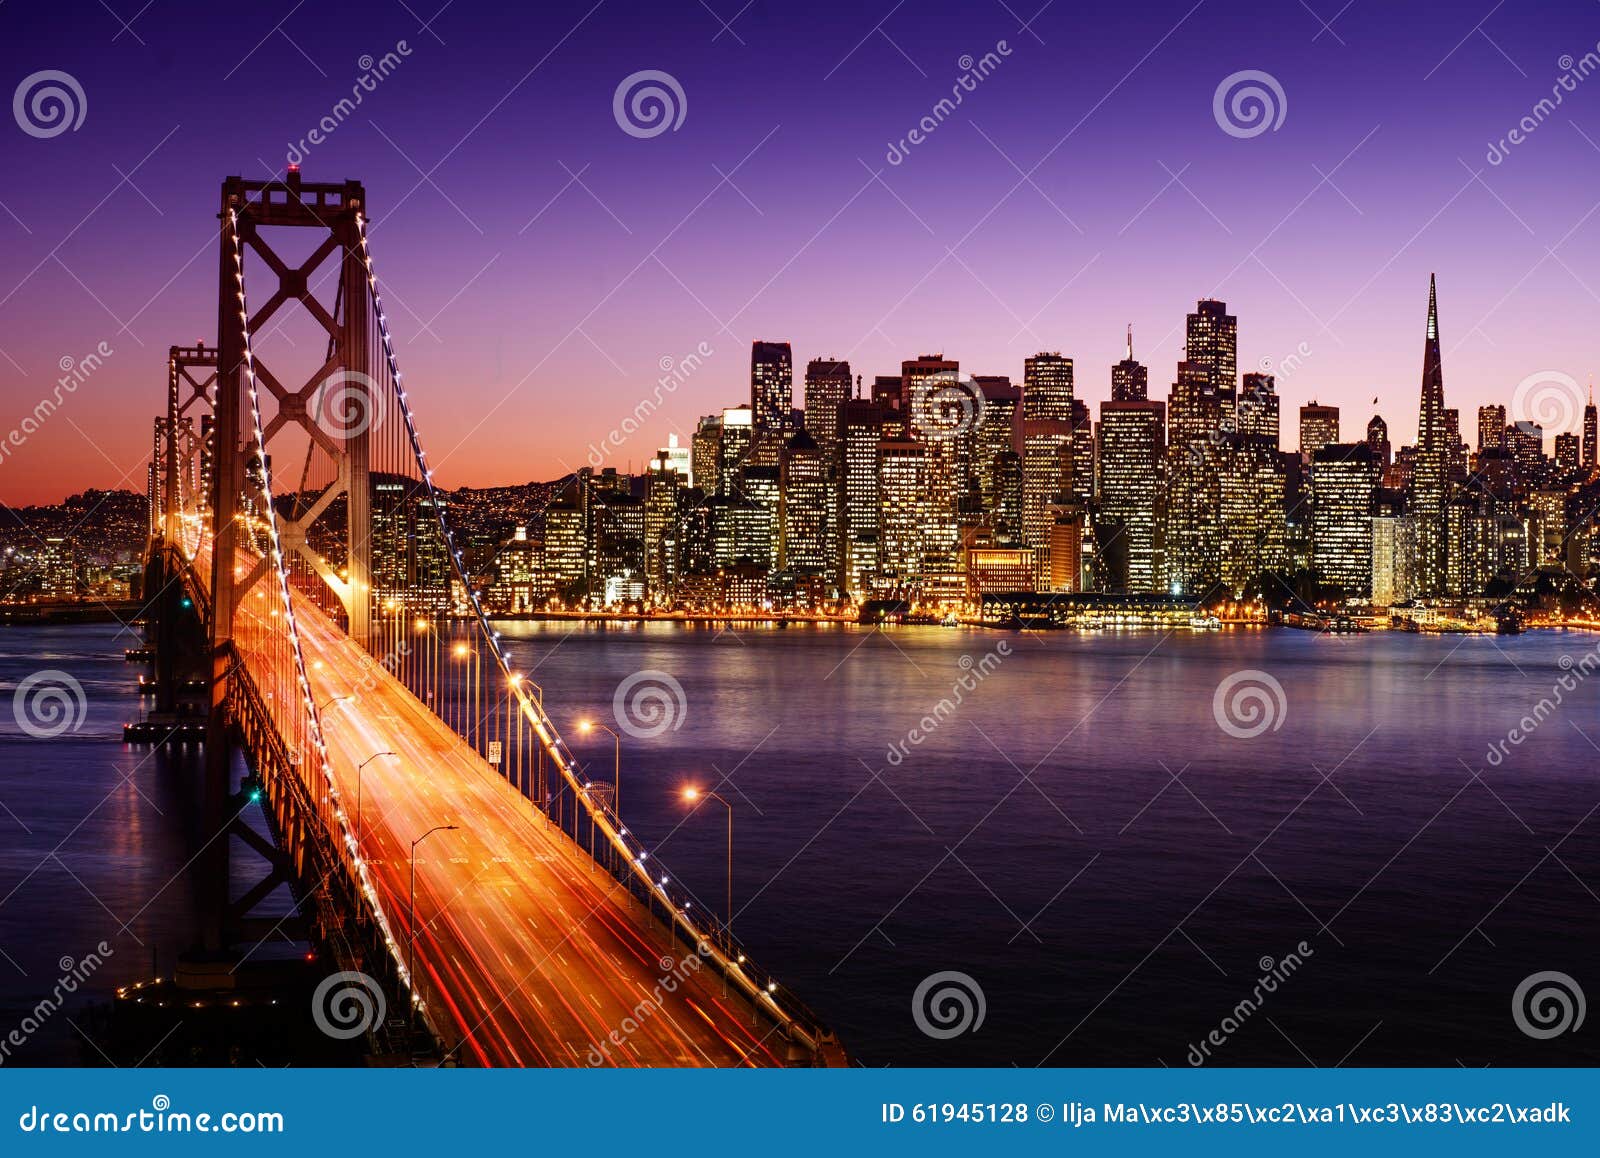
(1316, 229)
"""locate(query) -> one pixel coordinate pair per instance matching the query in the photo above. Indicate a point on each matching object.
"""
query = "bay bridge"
(309, 605)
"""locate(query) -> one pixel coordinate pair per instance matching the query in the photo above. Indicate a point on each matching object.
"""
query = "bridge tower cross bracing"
(253, 207)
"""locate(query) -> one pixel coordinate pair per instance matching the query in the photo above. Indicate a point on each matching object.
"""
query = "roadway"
(528, 954)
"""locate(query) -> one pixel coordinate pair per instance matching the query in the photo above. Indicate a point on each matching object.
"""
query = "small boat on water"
(1204, 623)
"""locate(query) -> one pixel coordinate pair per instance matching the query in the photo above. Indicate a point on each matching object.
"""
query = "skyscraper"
(808, 534)
(827, 386)
(940, 414)
(1252, 520)
(1568, 451)
(1590, 431)
(1378, 442)
(1047, 447)
(1257, 410)
(1212, 341)
(900, 504)
(662, 489)
(1047, 388)
(860, 430)
(996, 435)
(1491, 426)
(705, 451)
(1194, 409)
(1436, 446)
(1131, 439)
(1394, 550)
(733, 448)
(771, 385)
(1343, 477)
(1319, 427)
(1130, 381)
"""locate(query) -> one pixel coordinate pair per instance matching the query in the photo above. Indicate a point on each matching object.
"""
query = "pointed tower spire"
(1130, 341)
(1433, 309)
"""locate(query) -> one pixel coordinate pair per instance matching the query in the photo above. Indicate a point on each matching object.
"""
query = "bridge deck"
(529, 953)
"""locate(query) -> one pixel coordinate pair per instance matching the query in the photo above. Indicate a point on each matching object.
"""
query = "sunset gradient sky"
(539, 262)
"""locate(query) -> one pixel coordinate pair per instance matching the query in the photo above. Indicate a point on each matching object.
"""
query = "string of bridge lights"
(543, 726)
(535, 712)
(285, 593)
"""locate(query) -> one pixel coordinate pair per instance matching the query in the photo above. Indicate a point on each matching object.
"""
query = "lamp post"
(411, 918)
(694, 795)
(587, 726)
(322, 707)
(359, 767)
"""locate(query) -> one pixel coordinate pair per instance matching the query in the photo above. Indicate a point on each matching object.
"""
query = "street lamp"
(360, 766)
(322, 707)
(411, 915)
(587, 726)
(693, 795)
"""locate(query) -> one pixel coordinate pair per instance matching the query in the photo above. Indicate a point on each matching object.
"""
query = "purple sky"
(532, 309)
